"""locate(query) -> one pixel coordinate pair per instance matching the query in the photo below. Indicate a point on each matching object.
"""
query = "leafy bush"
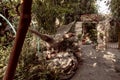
(29, 66)
(4, 55)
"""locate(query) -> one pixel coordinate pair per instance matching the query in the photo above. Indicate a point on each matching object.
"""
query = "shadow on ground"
(99, 65)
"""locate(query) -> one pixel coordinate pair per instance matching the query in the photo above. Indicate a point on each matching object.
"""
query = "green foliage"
(115, 9)
(45, 15)
(88, 7)
(30, 67)
(4, 55)
(8, 5)
(8, 9)
(91, 30)
(79, 36)
(46, 11)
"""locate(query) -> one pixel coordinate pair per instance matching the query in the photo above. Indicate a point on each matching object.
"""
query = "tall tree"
(25, 19)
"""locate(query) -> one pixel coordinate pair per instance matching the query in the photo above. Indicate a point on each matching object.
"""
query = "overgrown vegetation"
(66, 11)
(44, 13)
(30, 67)
(114, 6)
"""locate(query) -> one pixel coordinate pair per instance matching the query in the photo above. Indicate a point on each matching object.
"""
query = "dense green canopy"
(115, 9)
(46, 11)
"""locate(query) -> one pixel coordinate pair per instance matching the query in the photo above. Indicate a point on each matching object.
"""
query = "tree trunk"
(119, 40)
(118, 34)
(24, 23)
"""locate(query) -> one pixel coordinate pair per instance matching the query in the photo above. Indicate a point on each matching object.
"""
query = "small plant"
(79, 36)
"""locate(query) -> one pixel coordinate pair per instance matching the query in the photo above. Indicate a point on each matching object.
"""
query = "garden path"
(98, 65)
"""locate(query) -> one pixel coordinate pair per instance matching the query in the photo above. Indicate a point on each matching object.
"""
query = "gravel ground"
(98, 65)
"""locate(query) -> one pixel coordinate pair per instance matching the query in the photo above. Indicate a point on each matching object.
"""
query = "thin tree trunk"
(24, 23)
(118, 25)
(119, 40)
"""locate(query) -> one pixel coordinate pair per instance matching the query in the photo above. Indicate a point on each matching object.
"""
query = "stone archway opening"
(90, 31)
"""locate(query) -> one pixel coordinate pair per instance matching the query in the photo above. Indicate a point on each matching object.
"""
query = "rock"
(63, 62)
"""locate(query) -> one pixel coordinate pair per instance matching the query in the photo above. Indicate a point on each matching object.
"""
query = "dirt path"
(98, 65)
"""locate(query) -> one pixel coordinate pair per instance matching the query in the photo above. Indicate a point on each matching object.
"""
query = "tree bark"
(25, 18)
(119, 40)
(118, 34)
